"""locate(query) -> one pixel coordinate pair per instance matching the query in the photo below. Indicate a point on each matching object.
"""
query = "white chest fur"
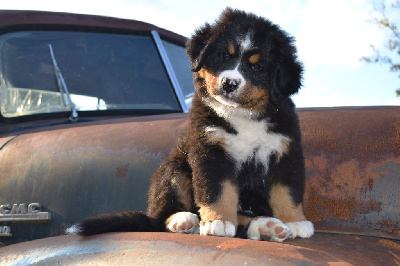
(253, 140)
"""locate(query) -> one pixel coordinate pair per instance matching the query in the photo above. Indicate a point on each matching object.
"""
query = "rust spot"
(389, 226)
(122, 171)
(370, 184)
(335, 193)
(396, 257)
(229, 245)
(390, 244)
(354, 196)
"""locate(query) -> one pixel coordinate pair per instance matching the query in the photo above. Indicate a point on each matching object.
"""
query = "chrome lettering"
(19, 208)
(5, 209)
(5, 231)
(23, 213)
(34, 207)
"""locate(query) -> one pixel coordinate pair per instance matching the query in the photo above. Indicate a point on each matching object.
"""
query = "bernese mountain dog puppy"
(238, 169)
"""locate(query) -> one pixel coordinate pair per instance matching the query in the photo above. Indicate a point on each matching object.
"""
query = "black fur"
(199, 165)
(119, 222)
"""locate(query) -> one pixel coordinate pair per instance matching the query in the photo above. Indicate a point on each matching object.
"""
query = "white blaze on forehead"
(245, 44)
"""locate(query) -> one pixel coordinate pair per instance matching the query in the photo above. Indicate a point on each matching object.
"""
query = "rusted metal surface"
(26, 19)
(353, 169)
(181, 249)
(84, 169)
(78, 170)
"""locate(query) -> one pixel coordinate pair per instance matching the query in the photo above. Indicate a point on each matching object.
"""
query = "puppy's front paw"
(217, 228)
(269, 229)
(183, 222)
(303, 229)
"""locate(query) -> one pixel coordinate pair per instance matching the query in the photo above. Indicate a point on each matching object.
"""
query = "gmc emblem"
(23, 213)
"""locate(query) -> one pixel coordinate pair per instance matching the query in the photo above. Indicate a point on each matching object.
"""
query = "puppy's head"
(244, 61)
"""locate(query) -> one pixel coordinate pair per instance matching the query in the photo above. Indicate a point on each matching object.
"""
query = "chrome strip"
(170, 70)
(26, 217)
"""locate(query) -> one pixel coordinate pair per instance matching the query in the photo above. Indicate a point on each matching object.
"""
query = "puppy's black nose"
(230, 85)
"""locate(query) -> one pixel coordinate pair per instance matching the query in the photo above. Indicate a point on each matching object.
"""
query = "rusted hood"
(182, 249)
(352, 158)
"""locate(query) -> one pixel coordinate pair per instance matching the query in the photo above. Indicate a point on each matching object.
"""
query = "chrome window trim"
(170, 70)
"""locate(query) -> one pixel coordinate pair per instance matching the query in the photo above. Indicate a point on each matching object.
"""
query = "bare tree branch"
(392, 53)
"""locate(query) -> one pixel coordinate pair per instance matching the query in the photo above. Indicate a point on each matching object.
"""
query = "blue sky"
(331, 37)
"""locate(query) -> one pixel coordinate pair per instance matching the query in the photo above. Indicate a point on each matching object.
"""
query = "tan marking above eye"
(254, 58)
(231, 49)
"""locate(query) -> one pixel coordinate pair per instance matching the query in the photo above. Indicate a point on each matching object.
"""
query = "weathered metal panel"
(78, 170)
(352, 158)
(181, 249)
(83, 170)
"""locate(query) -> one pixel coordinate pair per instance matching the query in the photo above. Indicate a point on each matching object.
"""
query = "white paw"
(184, 222)
(218, 228)
(73, 230)
(268, 228)
(303, 229)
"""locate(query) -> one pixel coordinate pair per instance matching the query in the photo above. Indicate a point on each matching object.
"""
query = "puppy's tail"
(127, 221)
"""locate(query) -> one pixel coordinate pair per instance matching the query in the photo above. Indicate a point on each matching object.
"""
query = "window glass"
(181, 65)
(101, 71)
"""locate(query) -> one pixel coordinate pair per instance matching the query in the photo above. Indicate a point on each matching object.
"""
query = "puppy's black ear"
(197, 47)
(288, 75)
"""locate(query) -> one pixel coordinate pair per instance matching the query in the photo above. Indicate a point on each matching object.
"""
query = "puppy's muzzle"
(229, 86)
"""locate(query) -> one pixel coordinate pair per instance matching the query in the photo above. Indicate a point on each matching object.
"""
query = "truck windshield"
(102, 71)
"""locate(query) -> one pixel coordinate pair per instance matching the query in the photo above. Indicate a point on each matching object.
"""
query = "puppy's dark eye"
(224, 55)
(256, 67)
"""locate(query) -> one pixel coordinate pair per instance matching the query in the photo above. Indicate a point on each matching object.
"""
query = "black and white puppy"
(238, 170)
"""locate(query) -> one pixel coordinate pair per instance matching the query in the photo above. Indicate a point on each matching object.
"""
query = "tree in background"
(391, 54)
